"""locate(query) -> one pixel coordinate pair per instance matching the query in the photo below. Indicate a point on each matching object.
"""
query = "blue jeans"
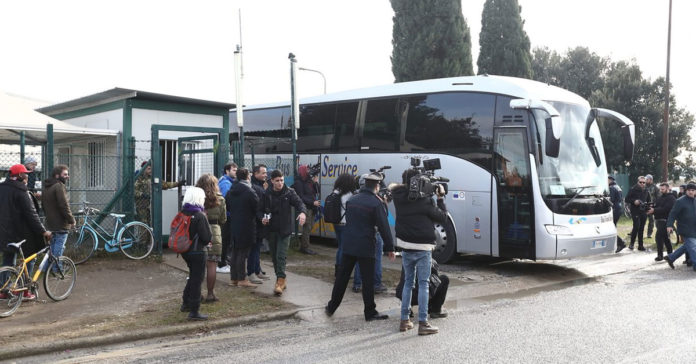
(254, 259)
(416, 265)
(357, 281)
(689, 246)
(58, 242)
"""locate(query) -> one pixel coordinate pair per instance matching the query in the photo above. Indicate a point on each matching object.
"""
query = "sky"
(61, 50)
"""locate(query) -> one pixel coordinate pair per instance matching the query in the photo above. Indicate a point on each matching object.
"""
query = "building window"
(189, 163)
(95, 165)
(168, 148)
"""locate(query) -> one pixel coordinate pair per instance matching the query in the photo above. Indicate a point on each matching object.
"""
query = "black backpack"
(332, 208)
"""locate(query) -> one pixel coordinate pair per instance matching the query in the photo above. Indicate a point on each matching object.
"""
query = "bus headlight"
(558, 230)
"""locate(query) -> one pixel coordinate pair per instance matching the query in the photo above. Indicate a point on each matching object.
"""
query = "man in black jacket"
(243, 204)
(615, 197)
(637, 196)
(258, 183)
(663, 205)
(277, 217)
(415, 234)
(307, 187)
(17, 213)
(364, 212)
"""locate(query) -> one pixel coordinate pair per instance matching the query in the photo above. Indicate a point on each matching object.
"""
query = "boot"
(283, 284)
(405, 325)
(279, 286)
(246, 283)
(425, 328)
(197, 316)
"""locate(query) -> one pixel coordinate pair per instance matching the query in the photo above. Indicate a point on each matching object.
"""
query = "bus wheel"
(445, 242)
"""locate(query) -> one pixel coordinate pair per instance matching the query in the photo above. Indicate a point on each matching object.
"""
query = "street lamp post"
(665, 129)
(319, 72)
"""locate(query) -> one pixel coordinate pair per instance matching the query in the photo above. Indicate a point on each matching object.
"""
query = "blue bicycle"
(134, 239)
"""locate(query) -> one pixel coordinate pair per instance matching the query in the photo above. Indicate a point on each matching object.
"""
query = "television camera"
(425, 183)
(384, 193)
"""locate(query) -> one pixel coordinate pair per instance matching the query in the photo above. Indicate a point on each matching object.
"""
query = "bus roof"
(511, 86)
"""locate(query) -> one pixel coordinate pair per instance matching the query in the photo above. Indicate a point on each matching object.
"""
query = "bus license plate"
(597, 244)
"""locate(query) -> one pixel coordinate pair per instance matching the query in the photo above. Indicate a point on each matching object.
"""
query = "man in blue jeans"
(415, 235)
(357, 280)
(684, 211)
(59, 219)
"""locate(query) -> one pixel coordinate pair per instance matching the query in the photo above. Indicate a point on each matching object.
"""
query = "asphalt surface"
(640, 315)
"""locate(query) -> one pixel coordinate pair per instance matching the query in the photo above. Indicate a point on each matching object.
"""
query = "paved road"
(639, 316)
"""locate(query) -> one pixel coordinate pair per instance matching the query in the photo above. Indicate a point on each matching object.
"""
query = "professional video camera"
(383, 192)
(645, 206)
(313, 170)
(425, 183)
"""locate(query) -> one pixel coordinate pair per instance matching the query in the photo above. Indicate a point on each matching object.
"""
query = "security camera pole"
(238, 89)
(295, 110)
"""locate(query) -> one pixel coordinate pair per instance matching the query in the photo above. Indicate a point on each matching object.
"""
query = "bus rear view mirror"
(628, 130)
(553, 124)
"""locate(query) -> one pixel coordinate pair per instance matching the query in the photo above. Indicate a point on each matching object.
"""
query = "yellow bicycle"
(59, 278)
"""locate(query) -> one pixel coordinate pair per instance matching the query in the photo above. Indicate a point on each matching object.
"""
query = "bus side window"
(381, 129)
(344, 131)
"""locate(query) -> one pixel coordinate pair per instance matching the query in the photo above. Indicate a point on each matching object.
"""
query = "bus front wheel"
(445, 242)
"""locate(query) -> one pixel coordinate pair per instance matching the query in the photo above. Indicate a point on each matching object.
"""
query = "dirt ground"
(113, 295)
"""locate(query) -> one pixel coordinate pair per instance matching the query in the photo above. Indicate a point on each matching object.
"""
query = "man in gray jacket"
(59, 218)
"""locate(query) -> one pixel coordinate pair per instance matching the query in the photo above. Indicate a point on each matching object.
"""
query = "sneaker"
(641, 248)
(441, 314)
(308, 251)
(658, 258)
(254, 279)
(225, 269)
(380, 289)
(670, 262)
(263, 276)
(425, 328)
(246, 284)
(197, 316)
(357, 289)
(28, 296)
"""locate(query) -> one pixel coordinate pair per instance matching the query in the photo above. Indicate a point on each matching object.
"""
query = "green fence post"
(156, 193)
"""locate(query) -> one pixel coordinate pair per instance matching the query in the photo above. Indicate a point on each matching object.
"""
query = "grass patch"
(624, 227)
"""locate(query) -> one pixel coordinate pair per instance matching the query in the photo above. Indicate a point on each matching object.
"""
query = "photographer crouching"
(416, 213)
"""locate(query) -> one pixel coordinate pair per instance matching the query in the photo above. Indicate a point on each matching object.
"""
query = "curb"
(117, 338)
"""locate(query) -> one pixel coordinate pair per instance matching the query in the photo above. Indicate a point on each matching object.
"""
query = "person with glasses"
(637, 198)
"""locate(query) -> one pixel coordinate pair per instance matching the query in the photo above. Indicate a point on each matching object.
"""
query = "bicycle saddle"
(118, 215)
(16, 245)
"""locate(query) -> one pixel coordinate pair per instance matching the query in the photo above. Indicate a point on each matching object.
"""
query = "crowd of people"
(661, 208)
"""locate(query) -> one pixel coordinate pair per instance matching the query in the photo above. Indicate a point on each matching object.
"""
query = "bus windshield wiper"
(577, 193)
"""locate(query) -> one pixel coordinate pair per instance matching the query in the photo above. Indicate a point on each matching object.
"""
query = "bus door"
(514, 191)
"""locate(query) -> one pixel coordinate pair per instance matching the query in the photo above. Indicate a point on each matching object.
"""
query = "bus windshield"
(574, 171)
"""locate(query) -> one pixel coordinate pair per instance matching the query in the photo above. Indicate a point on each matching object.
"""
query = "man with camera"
(663, 205)
(416, 213)
(307, 187)
(638, 198)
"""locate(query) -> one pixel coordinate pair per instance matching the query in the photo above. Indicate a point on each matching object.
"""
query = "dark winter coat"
(636, 194)
(306, 188)
(615, 197)
(663, 205)
(56, 206)
(242, 203)
(261, 229)
(684, 211)
(364, 212)
(415, 219)
(278, 203)
(18, 216)
(199, 227)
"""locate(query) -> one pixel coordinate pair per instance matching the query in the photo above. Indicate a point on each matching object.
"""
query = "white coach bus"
(528, 177)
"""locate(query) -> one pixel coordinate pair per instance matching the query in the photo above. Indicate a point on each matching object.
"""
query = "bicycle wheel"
(10, 296)
(59, 279)
(136, 240)
(80, 245)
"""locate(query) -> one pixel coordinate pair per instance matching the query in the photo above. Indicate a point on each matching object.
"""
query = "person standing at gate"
(143, 193)
(216, 212)
(225, 183)
(59, 218)
(307, 187)
(30, 163)
(242, 203)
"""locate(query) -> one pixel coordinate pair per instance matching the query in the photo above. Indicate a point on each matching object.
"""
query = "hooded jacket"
(17, 214)
(56, 206)
(415, 219)
(242, 203)
(306, 188)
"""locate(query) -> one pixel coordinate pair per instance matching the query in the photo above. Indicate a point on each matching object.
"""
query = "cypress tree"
(505, 46)
(430, 40)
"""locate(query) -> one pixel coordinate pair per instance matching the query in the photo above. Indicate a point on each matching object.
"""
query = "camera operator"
(637, 198)
(415, 234)
(307, 187)
(663, 205)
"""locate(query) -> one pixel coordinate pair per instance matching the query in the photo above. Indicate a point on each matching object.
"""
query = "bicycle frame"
(24, 271)
(110, 243)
